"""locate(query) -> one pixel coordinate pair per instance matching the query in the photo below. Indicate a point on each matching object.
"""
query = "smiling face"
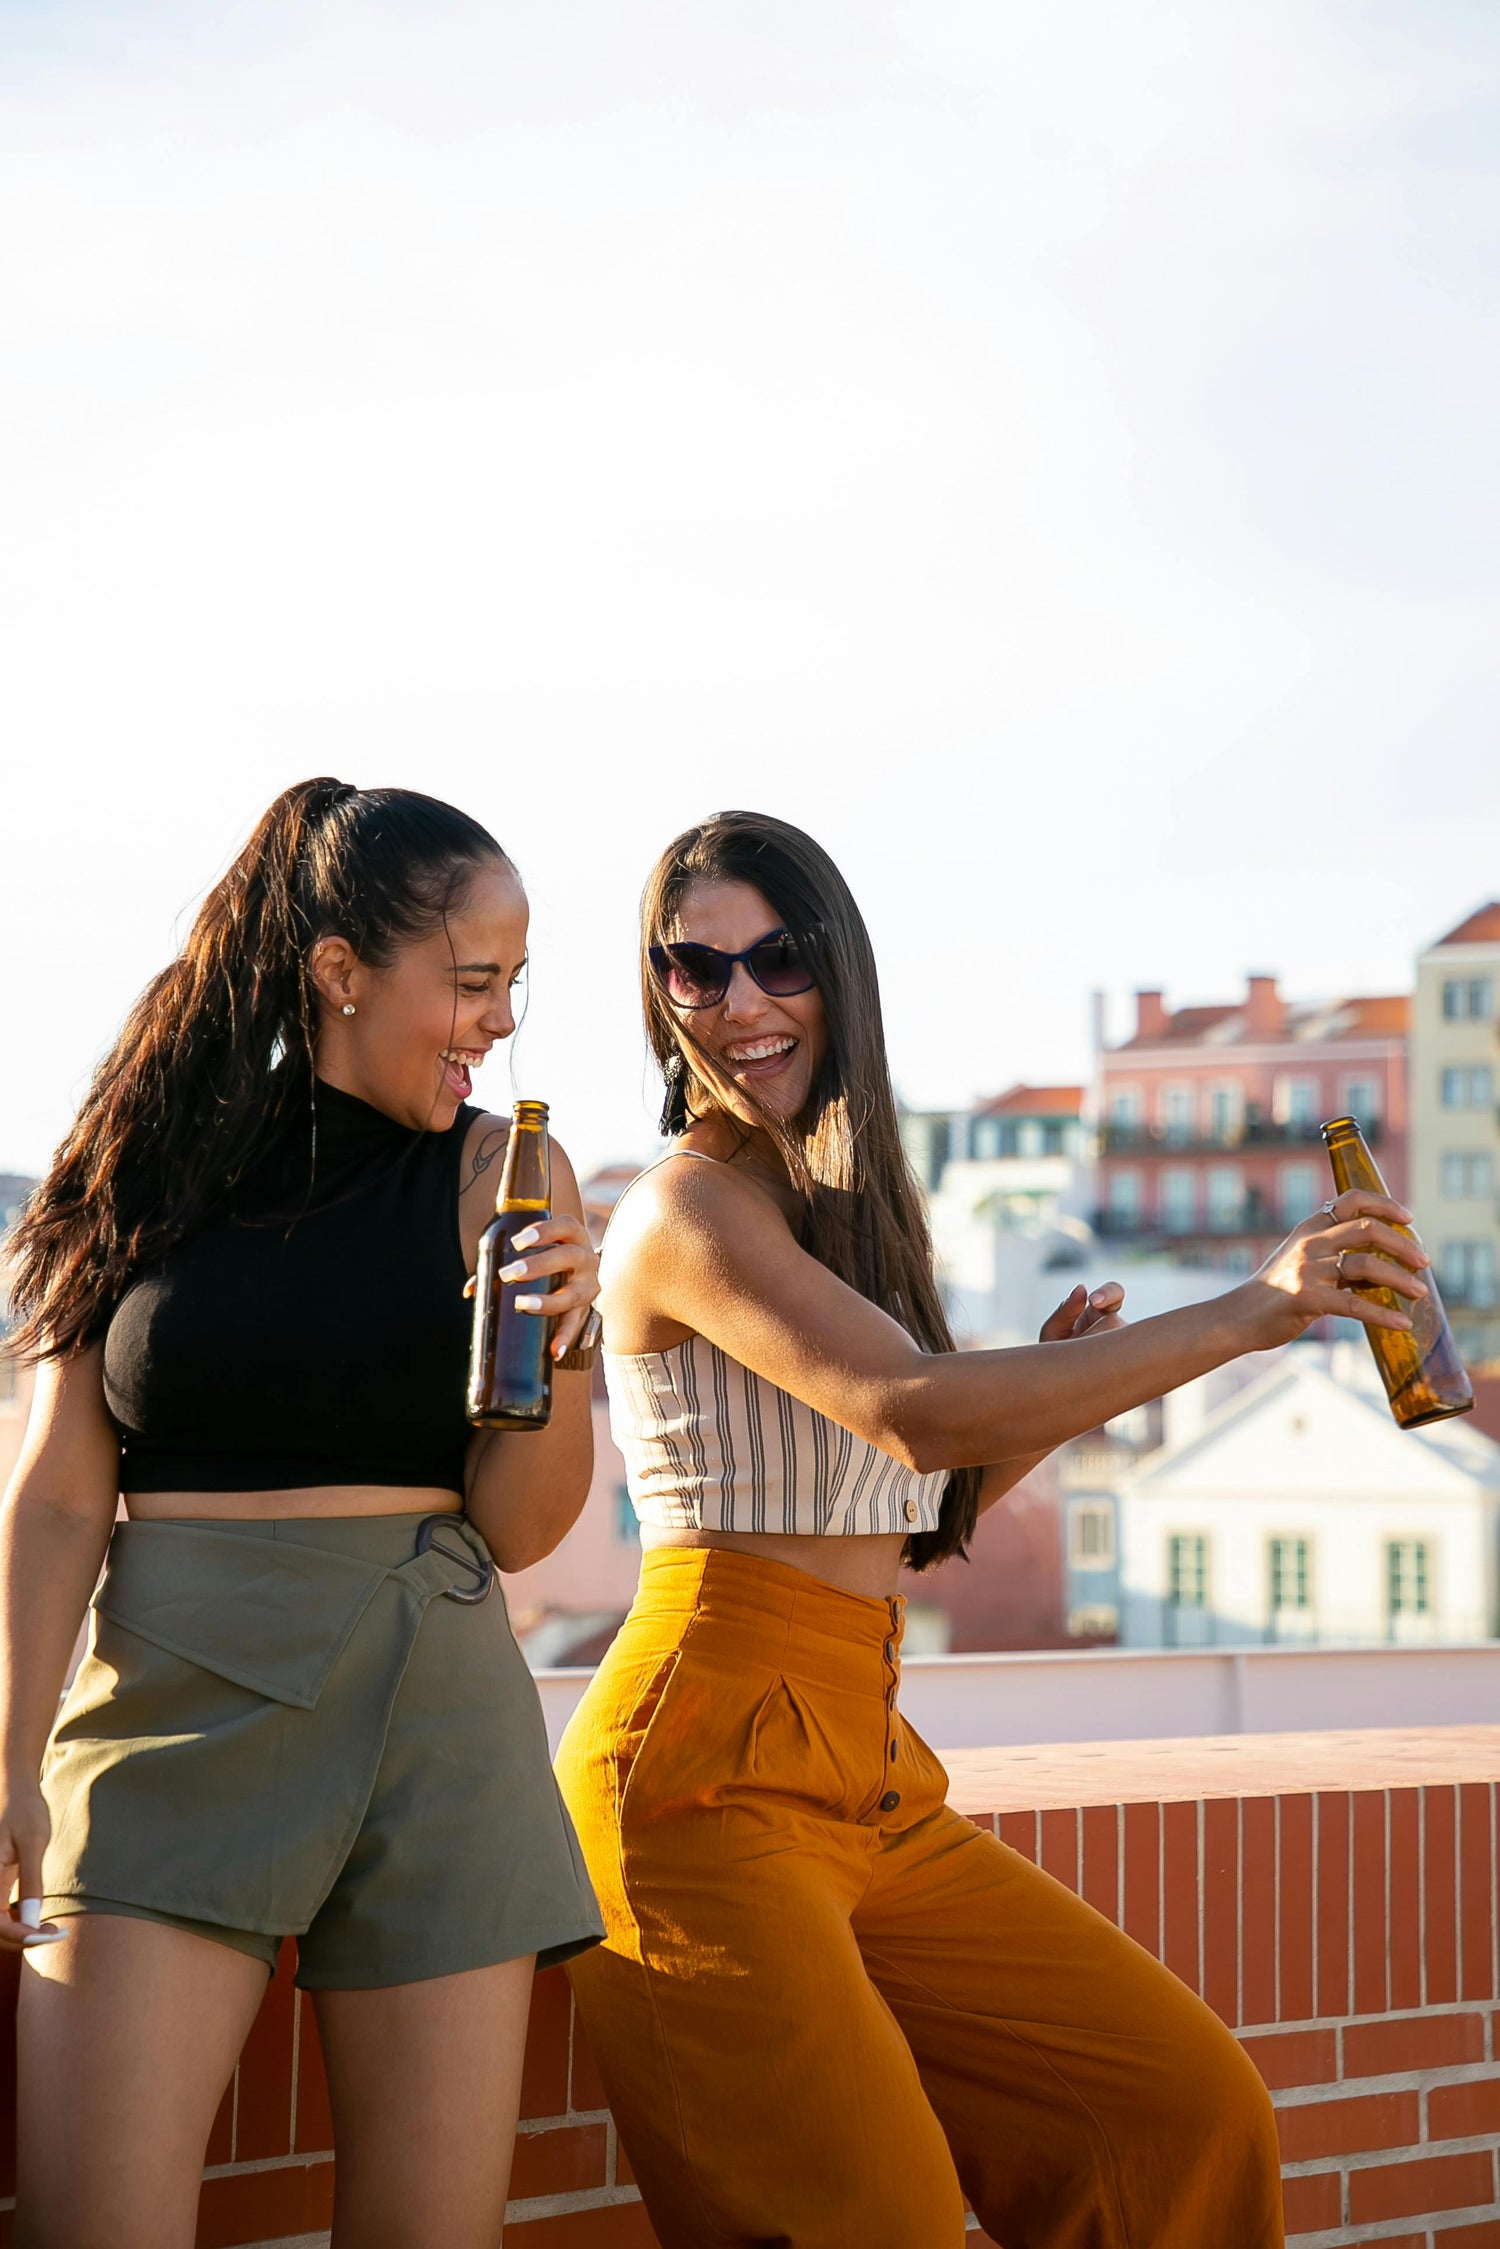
(772, 1048)
(422, 1024)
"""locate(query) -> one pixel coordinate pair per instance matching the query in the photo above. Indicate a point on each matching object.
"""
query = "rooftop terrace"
(1331, 1894)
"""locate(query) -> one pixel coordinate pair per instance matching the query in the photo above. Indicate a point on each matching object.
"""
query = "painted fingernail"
(42, 1936)
(30, 1913)
(516, 1272)
(526, 1239)
(528, 1304)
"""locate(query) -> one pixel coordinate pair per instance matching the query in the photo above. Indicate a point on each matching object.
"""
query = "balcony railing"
(1254, 1216)
(1190, 1140)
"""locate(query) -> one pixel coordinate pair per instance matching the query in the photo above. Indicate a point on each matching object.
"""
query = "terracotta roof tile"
(1034, 1101)
(1481, 927)
(1187, 1024)
(1388, 1013)
(1384, 1015)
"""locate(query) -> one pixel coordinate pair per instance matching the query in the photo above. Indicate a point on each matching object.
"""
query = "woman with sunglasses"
(827, 2006)
(302, 1711)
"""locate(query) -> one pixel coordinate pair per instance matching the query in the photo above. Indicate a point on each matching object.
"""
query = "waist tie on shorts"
(246, 1680)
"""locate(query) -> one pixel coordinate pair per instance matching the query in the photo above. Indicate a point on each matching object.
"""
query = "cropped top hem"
(709, 1445)
(142, 1470)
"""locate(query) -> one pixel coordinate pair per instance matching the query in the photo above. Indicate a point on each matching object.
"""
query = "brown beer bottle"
(510, 1366)
(1423, 1374)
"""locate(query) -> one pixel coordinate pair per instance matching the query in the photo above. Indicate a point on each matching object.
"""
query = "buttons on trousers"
(890, 1799)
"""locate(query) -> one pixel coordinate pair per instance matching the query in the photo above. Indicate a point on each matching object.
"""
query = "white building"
(1297, 1510)
(1455, 1124)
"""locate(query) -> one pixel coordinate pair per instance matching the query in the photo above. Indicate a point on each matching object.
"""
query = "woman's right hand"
(25, 1831)
(1315, 1272)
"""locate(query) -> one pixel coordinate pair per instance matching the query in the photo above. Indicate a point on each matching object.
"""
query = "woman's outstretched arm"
(703, 1246)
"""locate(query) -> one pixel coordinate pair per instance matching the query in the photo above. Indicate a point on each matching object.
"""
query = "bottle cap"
(1340, 1128)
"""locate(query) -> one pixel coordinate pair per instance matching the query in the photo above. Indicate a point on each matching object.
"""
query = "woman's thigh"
(761, 2087)
(425, 2084)
(129, 2032)
(1090, 2099)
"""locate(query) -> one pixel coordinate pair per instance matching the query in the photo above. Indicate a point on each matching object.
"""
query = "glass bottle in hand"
(1423, 1374)
(510, 1366)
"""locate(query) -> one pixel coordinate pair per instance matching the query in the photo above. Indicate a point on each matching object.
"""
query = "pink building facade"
(1209, 1117)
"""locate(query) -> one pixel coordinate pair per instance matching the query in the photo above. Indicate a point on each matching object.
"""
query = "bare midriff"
(311, 1499)
(867, 1566)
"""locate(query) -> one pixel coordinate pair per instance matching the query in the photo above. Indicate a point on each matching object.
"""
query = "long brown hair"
(217, 1053)
(863, 1215)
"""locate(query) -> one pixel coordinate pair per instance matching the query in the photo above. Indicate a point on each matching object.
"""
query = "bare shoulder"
(483, 1158)
(483, 1153)
(685, 1204)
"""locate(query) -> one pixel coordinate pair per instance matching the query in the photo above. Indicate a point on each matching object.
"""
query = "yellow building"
(1455, 1124)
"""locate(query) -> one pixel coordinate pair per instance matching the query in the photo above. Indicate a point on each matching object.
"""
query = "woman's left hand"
(1085, 1312)
(558, 1245)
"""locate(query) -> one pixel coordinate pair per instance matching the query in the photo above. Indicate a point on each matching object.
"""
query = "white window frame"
(1364, 1111)
(1287, 1096)
(1294, 1207)
(1085, 1515)
(1197, 1578)
(1226, 1198)
(1177, 1114)
(1179, 1212)
(1408, 1567)
(1125, 1195)
(1301, 1573)
(1227, 1097)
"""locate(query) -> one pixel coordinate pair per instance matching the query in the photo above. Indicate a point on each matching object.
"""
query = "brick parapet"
(1348, 1936)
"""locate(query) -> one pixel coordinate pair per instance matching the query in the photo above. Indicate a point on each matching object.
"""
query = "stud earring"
(348, 1007)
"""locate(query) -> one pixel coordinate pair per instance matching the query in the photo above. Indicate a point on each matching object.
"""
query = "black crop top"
(306, 1338)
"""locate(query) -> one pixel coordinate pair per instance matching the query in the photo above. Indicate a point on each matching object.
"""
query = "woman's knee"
(1212, 2097)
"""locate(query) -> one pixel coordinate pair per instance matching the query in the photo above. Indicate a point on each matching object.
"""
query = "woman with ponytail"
(302, 1711)
(827, 2007)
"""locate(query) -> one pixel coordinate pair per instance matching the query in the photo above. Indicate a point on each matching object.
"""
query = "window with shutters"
(1187, 1571)
(1291, 1576)
(1408, 1577)
(1091, 1535)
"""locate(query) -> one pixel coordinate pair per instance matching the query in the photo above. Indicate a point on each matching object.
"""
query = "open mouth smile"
(759, 1057)
(459, 1064)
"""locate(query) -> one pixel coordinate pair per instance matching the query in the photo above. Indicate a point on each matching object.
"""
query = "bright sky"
(1048, 451)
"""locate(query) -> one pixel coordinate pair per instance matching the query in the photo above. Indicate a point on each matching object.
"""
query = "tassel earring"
(676, 1116)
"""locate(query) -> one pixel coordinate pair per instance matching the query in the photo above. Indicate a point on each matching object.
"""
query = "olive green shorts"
(292, 1728)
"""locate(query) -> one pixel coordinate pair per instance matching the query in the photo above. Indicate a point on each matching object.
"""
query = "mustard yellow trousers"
(827, 2006)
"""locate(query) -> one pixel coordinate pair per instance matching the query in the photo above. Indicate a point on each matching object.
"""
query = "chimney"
(1150, 1016)
(1263, 1008)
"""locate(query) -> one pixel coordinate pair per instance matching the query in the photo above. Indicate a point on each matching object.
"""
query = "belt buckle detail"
(482, 1573)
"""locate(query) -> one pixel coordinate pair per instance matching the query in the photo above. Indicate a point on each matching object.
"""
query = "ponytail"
(218, 1051)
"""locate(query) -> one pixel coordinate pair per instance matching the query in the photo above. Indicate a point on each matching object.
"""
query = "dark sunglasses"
(699, 976)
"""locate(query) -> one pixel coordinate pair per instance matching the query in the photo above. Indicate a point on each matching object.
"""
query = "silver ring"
(1331, 1212)
(1338, 1266)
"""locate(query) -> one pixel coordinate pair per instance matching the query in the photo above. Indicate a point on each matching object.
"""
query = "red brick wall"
(1348, 1936)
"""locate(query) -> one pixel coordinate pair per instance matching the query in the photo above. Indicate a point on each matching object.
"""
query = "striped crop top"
(710, 1446)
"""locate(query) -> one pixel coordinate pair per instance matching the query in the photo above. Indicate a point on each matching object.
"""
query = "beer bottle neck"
(526, 1181)
(1353, 1165)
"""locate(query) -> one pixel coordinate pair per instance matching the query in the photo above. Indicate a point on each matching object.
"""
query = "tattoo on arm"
(486, 1154)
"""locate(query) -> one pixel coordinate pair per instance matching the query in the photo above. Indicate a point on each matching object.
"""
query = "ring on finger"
(1331, 1211)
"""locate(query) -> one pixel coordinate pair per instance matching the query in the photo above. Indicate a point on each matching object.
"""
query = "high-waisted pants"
(825, 2002)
